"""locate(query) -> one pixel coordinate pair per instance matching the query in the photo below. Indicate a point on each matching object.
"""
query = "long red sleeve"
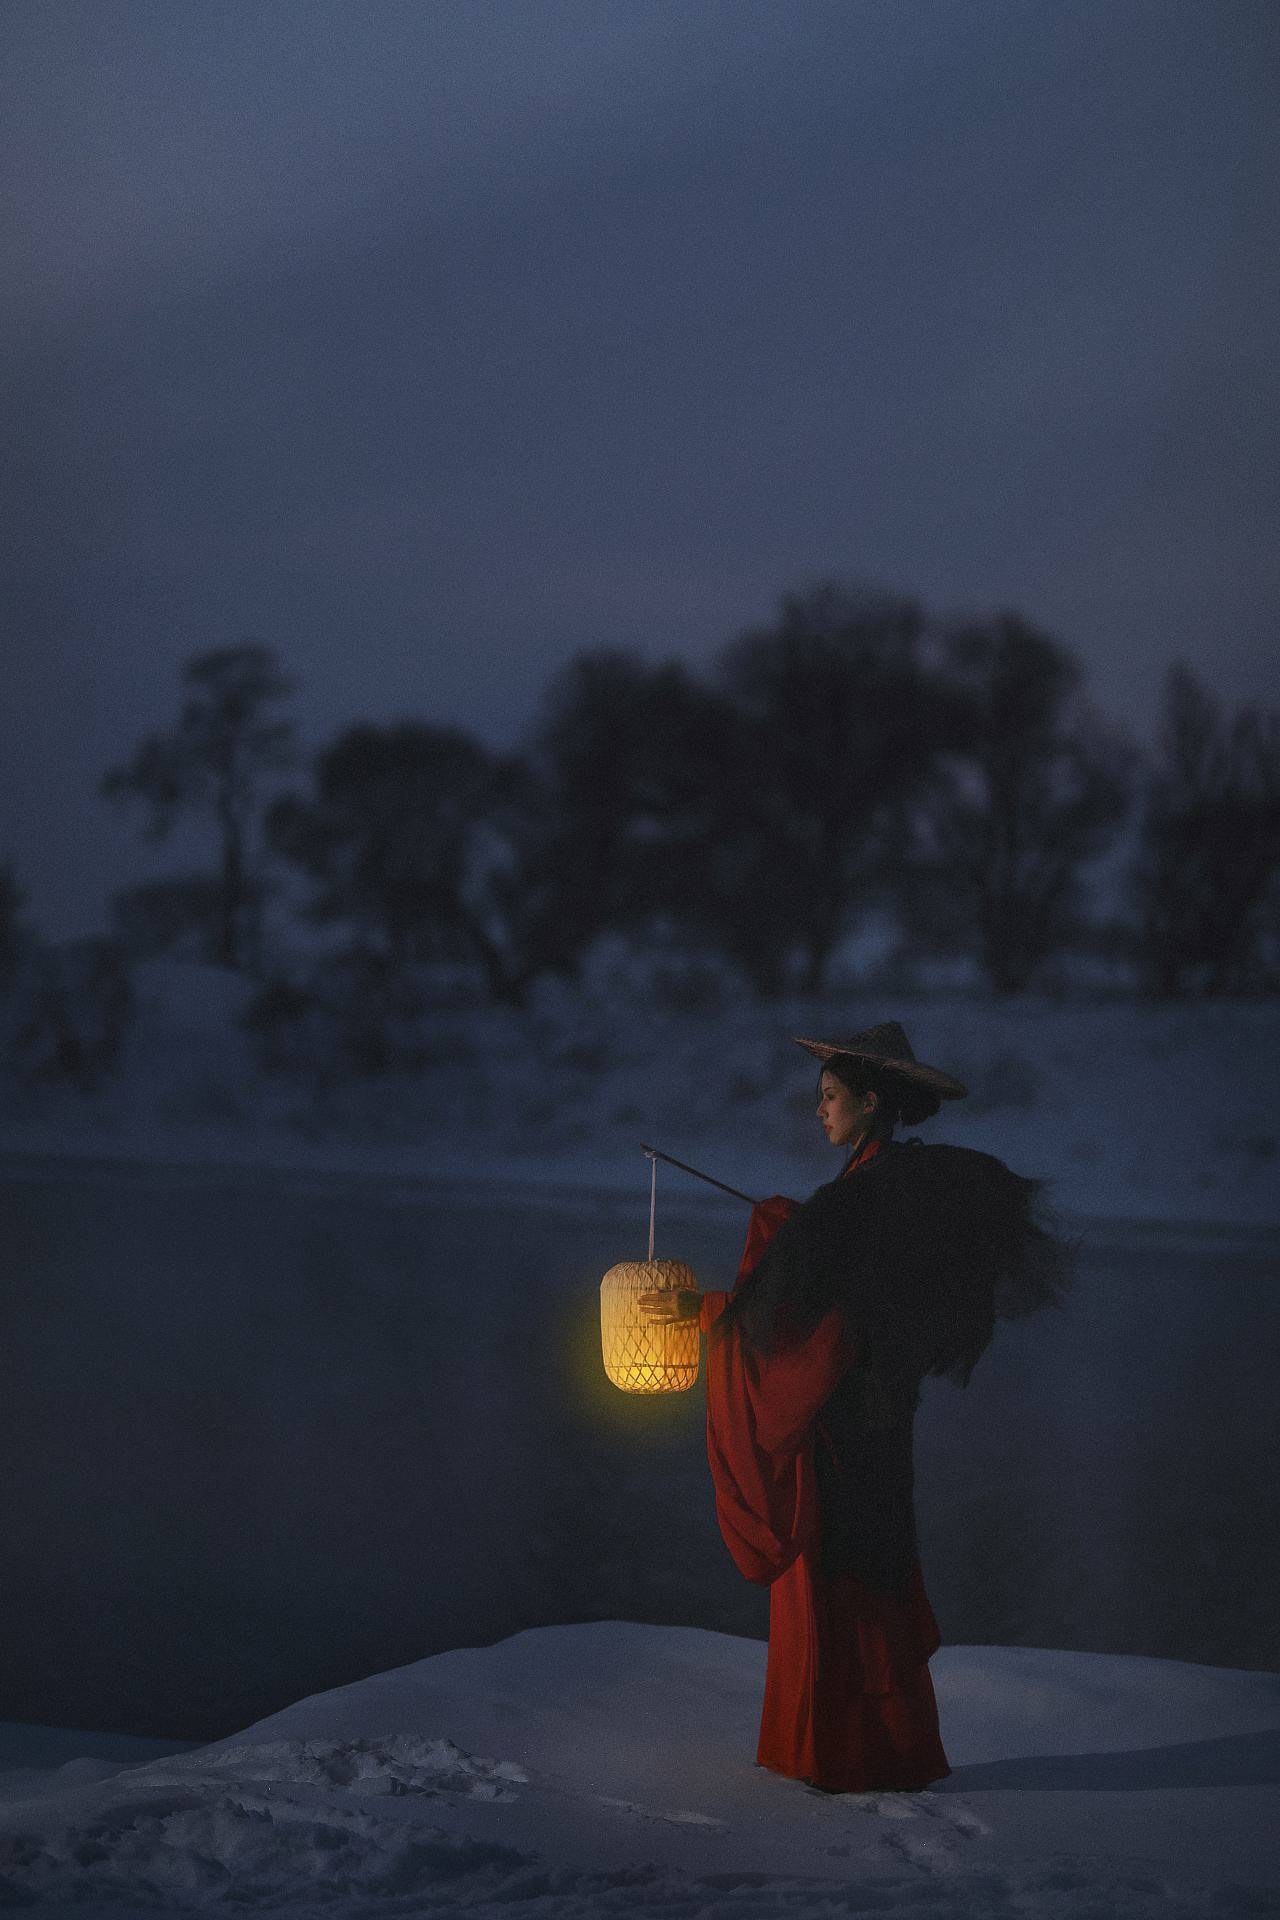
(760, 1414)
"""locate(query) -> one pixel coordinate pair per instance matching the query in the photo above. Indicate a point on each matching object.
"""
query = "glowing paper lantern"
(643, 1355)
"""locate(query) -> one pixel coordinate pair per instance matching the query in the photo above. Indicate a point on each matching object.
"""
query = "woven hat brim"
(931, 1077)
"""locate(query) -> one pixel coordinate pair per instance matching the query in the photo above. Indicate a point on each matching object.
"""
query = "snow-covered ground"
(1134, 1112)
(608, 1768)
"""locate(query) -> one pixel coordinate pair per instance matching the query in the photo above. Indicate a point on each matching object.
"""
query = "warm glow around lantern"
(643, 1355)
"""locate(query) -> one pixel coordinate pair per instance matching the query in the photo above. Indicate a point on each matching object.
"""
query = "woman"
(897, 1268)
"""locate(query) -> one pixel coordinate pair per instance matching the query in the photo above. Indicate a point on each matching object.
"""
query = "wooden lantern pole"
(655, 1154)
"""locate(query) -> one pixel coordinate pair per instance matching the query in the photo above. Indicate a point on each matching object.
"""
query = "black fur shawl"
(924, 1248)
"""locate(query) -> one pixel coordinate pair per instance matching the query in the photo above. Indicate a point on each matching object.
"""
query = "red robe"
(848, 1698)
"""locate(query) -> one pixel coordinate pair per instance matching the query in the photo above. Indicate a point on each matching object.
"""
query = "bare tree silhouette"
(627, 759)
(12, 933)
(1205, 876)
(840, 722)
(216, 758)
(403, 838)
(1040, 786)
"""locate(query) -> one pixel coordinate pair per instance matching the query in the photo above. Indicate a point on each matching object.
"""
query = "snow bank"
(607, 1768)
(1133, 1111)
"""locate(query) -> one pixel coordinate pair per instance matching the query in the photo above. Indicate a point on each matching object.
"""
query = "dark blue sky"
(433, 342)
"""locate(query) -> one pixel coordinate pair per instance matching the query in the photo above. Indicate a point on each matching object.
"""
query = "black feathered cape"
(923, 1248)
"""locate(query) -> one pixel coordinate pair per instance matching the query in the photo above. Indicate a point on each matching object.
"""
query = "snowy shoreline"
(608, 1768)
(1132, 1113)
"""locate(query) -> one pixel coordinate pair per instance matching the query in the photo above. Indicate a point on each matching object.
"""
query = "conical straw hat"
(887, 1048)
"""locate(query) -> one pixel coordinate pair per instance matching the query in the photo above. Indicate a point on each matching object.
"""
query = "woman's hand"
(667, 1304)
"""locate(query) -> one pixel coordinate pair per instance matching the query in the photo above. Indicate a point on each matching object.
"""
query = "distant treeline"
(853, 755)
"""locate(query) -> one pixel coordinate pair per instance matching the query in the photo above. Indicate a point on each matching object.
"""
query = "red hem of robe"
(849, 1704)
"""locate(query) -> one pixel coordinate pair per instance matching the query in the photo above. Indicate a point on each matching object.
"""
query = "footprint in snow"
(922, 1829)
(679, 1818)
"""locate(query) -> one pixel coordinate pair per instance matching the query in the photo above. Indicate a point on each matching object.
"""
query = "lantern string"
(653, 1197)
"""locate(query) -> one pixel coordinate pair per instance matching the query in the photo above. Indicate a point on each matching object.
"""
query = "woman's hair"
(861, 1078)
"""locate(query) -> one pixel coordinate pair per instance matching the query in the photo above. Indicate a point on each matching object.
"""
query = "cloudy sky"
(430, 342)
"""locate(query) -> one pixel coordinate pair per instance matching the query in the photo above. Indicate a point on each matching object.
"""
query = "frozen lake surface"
(271, 1433)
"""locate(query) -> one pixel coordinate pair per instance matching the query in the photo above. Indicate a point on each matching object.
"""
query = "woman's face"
(843, 1114)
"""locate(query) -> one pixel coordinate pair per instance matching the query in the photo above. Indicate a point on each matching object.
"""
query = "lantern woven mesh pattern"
(640, 1355)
